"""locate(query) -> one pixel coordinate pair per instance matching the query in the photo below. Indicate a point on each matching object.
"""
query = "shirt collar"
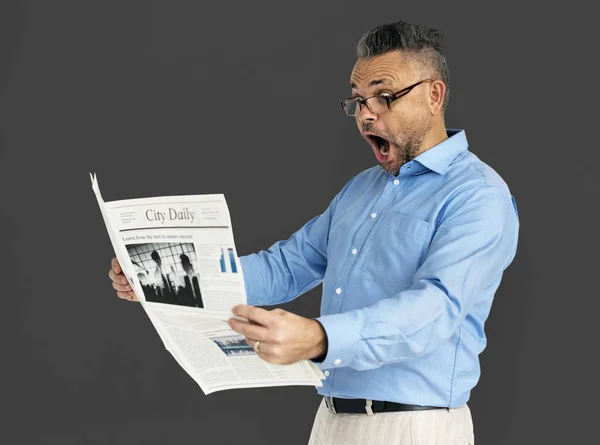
(439, 157)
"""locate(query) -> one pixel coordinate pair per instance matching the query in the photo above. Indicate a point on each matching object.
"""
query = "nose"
(364, 114)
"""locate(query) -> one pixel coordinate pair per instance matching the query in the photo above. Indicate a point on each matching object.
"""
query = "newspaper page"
(179, 256)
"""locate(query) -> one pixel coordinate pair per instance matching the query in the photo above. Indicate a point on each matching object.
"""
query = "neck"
(435, 136)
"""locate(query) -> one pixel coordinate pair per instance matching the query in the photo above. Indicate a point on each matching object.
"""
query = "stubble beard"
(404, 151)
(406, 147)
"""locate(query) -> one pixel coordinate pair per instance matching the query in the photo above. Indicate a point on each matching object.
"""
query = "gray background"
(163, 98)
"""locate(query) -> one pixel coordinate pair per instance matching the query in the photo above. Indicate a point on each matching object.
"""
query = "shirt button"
(326, 373)
(373, 215)
(396, 182)
(337, 361)
(354, 251)
(338, 290)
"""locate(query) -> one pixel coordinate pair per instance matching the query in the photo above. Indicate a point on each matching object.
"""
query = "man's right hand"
(120, 283)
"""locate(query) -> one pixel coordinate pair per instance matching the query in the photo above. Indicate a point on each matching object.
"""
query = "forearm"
(393, 330)
(281, 273)
(292, 267)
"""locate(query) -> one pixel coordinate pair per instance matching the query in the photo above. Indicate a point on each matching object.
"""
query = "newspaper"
(179, 256)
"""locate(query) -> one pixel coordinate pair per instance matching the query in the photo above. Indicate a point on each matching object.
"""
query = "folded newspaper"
(179, 256)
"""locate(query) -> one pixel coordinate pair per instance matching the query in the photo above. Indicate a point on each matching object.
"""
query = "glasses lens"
(378, 104)
(351, 107)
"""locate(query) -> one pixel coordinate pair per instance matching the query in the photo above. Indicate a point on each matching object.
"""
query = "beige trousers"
(431, 427)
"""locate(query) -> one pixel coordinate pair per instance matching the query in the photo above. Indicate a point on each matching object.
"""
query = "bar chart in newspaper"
(227, 260)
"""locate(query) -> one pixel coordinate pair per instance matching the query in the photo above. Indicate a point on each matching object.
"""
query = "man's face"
(395, 135)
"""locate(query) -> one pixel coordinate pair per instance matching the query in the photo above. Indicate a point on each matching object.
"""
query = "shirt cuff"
(342, 340)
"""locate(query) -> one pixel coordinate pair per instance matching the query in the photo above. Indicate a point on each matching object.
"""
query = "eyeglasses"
(376, 104)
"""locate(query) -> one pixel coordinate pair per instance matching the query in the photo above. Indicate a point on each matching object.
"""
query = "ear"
(437, 92)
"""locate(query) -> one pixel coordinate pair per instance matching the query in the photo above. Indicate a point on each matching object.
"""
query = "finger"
(248, 330)
(121, 287)
(115, 265)
(261, 347)
(251, 341)
(127, 296)
(253, 313)
(117, 278)
(267, 351)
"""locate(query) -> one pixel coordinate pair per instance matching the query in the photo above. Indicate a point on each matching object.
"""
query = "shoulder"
(366, 176)
(468, 173)
(475, 187)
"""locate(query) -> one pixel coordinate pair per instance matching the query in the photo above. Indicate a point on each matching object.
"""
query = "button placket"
(391, 189)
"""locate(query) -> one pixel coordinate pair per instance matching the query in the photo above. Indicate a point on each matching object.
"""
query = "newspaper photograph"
(178, 254)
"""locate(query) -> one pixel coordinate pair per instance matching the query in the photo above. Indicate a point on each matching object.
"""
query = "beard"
(403, 147)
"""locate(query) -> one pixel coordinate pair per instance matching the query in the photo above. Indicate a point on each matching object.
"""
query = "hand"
(284, 337)
(120, 283)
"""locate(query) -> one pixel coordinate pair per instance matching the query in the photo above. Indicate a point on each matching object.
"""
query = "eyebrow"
(373, 83)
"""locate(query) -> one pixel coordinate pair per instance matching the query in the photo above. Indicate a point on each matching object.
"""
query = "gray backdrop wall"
(242, 98)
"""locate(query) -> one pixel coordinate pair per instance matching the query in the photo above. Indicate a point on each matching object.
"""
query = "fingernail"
(128, 288)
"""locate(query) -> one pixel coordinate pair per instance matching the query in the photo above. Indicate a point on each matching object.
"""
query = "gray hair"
(418, 41)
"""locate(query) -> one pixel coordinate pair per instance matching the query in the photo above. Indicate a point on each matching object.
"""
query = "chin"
(391, 167)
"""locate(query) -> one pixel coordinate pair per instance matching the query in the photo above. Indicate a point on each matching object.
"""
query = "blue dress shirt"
(409, 265)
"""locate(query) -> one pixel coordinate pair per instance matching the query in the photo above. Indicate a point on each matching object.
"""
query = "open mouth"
(381, 147)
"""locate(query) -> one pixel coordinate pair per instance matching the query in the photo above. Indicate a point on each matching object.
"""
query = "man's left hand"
(284, 337)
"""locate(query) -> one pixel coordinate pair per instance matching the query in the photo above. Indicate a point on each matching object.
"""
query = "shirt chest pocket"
(395, 248)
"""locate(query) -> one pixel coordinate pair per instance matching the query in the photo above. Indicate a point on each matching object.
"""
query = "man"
(410, 254)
